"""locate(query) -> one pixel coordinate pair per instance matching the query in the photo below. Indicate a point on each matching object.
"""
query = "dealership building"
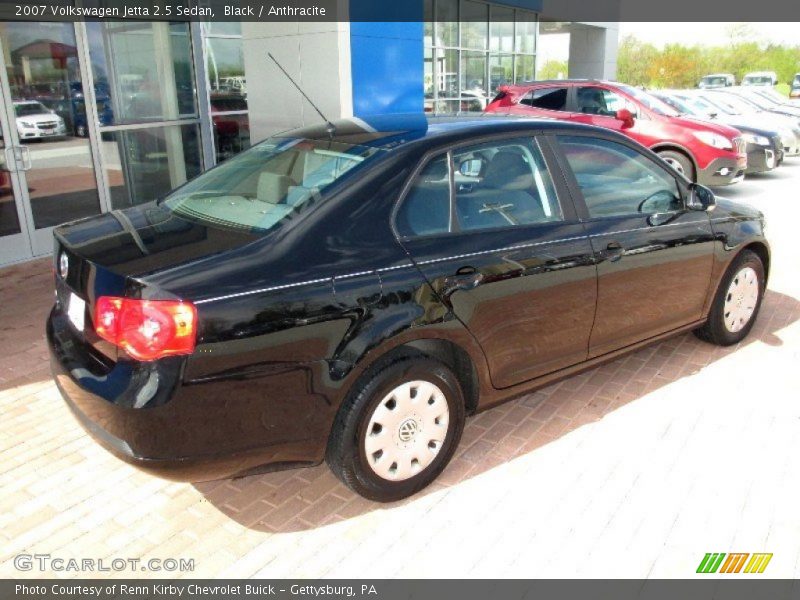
(98, 116)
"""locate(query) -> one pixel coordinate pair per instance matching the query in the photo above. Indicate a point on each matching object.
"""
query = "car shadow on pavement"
(304, 499)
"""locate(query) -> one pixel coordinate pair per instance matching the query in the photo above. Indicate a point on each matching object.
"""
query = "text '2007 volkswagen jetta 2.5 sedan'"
(352, 292)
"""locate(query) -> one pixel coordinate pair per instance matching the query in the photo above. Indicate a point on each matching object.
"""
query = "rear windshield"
(268, 184)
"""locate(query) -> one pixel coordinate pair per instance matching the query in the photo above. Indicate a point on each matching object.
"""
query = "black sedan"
(352, 292)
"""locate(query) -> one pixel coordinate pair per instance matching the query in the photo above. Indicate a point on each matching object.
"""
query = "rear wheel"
(397, 433)
(680, 162)
(737, 302)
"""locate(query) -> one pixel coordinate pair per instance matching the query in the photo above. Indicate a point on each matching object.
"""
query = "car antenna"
(329, 127)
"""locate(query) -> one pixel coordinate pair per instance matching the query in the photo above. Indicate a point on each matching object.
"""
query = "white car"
(36, 121)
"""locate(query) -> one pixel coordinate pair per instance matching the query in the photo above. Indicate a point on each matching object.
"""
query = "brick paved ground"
(633, 469)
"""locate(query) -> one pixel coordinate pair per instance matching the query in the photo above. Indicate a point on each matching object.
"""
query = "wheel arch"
(661, 147)
(761, 250)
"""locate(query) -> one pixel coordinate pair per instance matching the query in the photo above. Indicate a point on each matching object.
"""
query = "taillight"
(147, 329)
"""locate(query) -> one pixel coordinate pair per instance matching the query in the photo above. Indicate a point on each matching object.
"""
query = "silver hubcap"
(406, 430)
(674, 164)
(741, 299)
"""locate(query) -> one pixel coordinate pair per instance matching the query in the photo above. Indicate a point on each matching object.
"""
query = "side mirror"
(700, 198)
(626, 116)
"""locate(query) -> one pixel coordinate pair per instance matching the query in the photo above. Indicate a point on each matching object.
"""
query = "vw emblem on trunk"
(63, 265)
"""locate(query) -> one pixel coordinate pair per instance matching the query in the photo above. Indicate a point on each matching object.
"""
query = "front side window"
(600, 101)
(617, 180)
(553, 98)
(276, 180)
(496, 185)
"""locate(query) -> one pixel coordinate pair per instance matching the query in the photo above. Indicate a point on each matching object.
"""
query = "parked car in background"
(739, 106)
(795, 90)
(760, 78)
(264, 315)
(37, 122)
(717, 80)
(761, 102)
(709, 153)
(764, 147)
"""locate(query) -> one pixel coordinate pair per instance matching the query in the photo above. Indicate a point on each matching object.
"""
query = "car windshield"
(650, 101)
(714, 80)
(30, 108)
(699, 105)
(272, 182)
(758, 80)
(732, 104)
(679, 104)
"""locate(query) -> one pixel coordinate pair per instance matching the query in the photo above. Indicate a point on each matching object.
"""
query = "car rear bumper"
(188, 432)
(723, 171)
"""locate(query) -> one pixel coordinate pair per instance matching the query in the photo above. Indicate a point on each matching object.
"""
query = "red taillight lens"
(147, 329)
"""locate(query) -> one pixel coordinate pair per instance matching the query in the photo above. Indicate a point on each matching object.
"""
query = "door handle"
(466, 278)
(27, 163)
(10, 159)
(614, 251)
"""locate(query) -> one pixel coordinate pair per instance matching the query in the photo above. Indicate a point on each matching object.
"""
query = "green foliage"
(679, 66)
(553, 69)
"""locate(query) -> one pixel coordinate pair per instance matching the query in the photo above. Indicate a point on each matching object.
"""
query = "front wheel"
(397, 433)
(736, 303)
(680, 162)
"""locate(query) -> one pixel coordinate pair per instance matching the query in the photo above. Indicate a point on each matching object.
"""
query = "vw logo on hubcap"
(407, 431)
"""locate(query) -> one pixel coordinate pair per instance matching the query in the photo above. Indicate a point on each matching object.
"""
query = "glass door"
(46, 106)
(14, 240)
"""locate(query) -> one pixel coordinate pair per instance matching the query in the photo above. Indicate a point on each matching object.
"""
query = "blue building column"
(386, 57)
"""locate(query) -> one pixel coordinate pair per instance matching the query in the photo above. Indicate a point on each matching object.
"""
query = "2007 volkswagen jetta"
(352, 292)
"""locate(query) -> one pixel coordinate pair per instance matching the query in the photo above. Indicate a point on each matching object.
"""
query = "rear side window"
(554, 98)
(426, 207)
(496, 185)
(616, 180)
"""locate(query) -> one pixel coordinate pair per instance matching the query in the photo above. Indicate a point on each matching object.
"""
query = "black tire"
(346, 454)
(715, 330)
(683, 163)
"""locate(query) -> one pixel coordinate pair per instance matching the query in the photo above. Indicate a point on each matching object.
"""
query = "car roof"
(389, 132)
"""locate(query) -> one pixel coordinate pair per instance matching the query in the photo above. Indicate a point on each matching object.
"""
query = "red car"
(708, 153)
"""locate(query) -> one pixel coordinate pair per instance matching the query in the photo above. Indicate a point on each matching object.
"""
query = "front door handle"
(614, 251)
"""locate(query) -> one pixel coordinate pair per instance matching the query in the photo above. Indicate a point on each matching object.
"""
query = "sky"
(556, 47)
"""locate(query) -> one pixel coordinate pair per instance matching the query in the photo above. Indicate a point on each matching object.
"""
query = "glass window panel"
(9, 221)
(616, 180)
(501, 71)
(524, 71)
(502, 185)
(501, 29)
(447, 22)
(447, 73)
(426, 207)
(48, 110)
(231, 134)
(428, 73)
(225, 67)
(526, 32)
(143, 69)
(475, 25)
(224, 27)
(146, 164)
(473, 72)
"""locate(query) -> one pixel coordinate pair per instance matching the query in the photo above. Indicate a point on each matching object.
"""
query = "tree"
(553, 69)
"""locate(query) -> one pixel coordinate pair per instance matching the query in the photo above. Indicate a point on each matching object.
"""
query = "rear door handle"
(466, 278)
